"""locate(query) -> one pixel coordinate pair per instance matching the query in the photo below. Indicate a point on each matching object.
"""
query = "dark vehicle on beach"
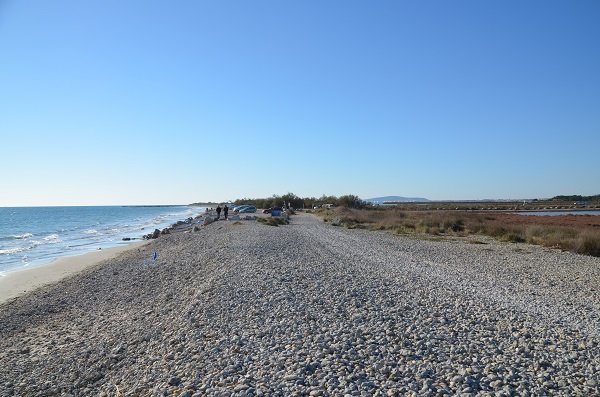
(269, 210)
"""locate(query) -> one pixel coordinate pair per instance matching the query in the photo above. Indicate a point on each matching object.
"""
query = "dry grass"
(581, 239)
(273, 221)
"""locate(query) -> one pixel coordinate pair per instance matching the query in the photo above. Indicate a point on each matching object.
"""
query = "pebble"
(311, 309)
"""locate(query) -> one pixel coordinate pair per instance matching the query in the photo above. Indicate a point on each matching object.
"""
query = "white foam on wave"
(91, 231)
(151, 223)
(53, 238)
(12, 251)
(23, 236)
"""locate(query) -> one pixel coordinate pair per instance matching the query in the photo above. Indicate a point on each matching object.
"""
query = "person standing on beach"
(218, 212)
(225, 211)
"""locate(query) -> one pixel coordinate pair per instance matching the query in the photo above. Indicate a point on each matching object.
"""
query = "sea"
(34, 236)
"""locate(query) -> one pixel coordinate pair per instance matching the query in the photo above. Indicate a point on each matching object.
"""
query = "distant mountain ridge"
(381, 200)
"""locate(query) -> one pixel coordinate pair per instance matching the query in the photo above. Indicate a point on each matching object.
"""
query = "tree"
(351, 201)
(293, 200)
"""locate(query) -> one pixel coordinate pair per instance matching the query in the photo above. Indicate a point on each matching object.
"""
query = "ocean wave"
(16, 237)
(53, 238)
(148, 225)
(68, 230)
(12, 250)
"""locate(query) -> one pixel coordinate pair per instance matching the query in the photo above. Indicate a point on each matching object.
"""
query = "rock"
(174, 381)
(119, 349)
(240, 387)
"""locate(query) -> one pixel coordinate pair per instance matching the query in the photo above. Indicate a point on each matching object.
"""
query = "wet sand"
(19, 282)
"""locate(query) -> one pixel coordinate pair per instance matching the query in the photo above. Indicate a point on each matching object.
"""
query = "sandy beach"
(245, 309)
(18, 282)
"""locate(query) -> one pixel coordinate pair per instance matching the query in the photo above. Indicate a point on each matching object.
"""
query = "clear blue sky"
(156, 102)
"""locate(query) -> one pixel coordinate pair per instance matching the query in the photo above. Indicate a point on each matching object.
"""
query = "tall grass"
(584, 240)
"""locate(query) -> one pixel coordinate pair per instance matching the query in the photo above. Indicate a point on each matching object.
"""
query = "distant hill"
(381, 200)
(576, 198)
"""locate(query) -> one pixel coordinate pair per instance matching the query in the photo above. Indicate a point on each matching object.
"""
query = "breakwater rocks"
(178, 226)
(307, 309)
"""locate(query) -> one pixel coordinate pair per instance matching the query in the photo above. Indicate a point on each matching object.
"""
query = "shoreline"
(22, 281)
(72, 230)
(242, 308)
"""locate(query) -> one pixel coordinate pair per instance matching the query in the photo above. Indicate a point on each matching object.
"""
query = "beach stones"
(309, 309)
(155, 234)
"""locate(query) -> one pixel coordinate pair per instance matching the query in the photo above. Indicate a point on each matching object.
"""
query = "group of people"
(225, 211)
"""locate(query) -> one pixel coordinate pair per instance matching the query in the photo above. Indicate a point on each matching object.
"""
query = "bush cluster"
(273, 221)
(350, 201)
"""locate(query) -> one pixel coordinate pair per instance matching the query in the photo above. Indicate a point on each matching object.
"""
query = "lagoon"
(560, 213)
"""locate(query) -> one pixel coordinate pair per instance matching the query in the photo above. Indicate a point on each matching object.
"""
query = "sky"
(154, 102)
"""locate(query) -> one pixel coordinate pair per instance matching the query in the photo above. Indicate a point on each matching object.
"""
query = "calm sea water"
(33, 236)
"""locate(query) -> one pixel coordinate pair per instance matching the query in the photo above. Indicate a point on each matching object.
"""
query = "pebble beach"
(238, 308)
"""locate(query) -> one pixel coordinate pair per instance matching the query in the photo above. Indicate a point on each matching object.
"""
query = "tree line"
(348, 200)
(576, 197)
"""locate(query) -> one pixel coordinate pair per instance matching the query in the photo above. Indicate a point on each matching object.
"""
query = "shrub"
(588, 243)
(512, 237)
(273, 221)
(456, 225)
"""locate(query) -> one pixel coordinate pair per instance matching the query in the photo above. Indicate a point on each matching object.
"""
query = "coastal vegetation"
(563, 202)
(498, 219)
(578, 198)
(273, 221)
(349, 200)
(582, 237)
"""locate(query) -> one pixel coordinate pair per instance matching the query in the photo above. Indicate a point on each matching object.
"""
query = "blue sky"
(154, 102)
